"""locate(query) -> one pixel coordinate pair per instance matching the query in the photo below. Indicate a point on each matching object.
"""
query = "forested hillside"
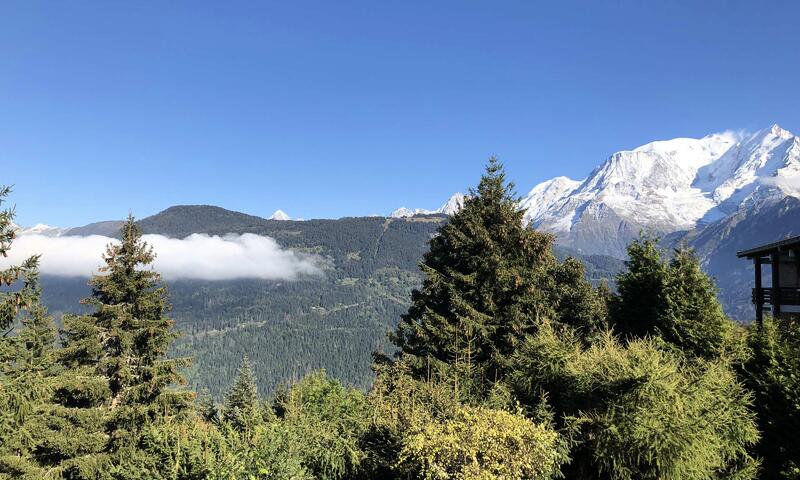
(291, 328)
(506, 364)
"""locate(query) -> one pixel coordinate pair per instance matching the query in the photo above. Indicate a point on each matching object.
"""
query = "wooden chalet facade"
(782, 297)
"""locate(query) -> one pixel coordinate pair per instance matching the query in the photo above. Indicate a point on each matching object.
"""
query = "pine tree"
(489, 281)
(241, 401)
(485, 285)
(771, 373)
(639, 301)
(12, 301)
(125, 340)
(674, 300)
(693, 319)
(29, 371)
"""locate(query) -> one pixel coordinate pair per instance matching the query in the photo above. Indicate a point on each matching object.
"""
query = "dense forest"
(288, 329)
(505, 363)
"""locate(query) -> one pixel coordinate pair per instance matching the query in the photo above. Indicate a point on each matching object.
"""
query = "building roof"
(773, 247)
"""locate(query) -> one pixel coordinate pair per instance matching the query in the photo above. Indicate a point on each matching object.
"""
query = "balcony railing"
(788, 296)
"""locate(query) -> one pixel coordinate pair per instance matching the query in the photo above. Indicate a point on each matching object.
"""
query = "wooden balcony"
(786, 296)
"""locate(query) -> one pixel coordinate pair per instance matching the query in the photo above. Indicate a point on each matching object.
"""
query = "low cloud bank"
(197, 256)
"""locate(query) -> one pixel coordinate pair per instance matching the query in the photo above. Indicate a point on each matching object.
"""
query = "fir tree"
(771, 373)
(482, 287)
(489, 280)
(674, 300)
(125, 340)
(639, 301)
(241, 401)
(693, 319)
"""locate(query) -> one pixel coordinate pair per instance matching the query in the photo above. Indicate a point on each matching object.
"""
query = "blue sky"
(328, 109)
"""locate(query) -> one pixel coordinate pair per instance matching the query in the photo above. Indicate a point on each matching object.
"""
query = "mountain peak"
(280, 215)
(453, 204)
(41, 229)
(667, 186)
(776, 129)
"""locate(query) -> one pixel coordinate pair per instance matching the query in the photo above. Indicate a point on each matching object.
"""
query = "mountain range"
(663, 187)
(718, 194)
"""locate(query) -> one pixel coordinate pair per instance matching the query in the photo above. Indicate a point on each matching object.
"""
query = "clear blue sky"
(327, 109)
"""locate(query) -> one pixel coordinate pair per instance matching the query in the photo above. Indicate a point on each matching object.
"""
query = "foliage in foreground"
(773, 373)
(637, 410)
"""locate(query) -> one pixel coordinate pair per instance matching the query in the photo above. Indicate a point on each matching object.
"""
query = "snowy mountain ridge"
(451, 206)
(667, 186)
(663, 186)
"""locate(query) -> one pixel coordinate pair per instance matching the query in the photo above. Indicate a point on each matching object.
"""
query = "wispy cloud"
(197, 256)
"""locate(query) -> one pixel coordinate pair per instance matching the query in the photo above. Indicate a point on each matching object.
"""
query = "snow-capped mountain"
(451, 206)
(665, 187)
(41, 229)
(279, 215)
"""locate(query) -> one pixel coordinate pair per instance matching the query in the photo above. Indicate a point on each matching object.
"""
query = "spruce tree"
(639, 301)
(489, 281)
(29, 373)
(13, 300)
(241, 400)
(25, 357)
(125, 340)
(44, 430)
(674, 300)
(693, 319)
(771, 373)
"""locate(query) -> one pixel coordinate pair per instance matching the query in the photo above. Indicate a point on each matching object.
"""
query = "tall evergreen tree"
(125, 340)
(489, 280)
(43, 428)
(639, 301)
(673, 299)
(693, 318)
(29, 373)
(484, 285)
(13, 300)
(241, 401)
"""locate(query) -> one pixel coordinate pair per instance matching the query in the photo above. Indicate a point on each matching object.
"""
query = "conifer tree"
(639, 301)
(28, 370)
(25, 358)
(634, 410)
(489, 280)
(12, 300)
(485, 285)
(674, 300)
(693, 319)
(206, 407)
(241, 401)
(43, 429)
(771, 373)
(125, 339)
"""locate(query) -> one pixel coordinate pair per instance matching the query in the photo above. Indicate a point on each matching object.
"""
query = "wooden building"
(782, 297)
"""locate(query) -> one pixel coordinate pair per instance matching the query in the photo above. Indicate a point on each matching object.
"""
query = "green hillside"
(288, 329)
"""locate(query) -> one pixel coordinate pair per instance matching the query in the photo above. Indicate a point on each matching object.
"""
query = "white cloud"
(197, 256)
